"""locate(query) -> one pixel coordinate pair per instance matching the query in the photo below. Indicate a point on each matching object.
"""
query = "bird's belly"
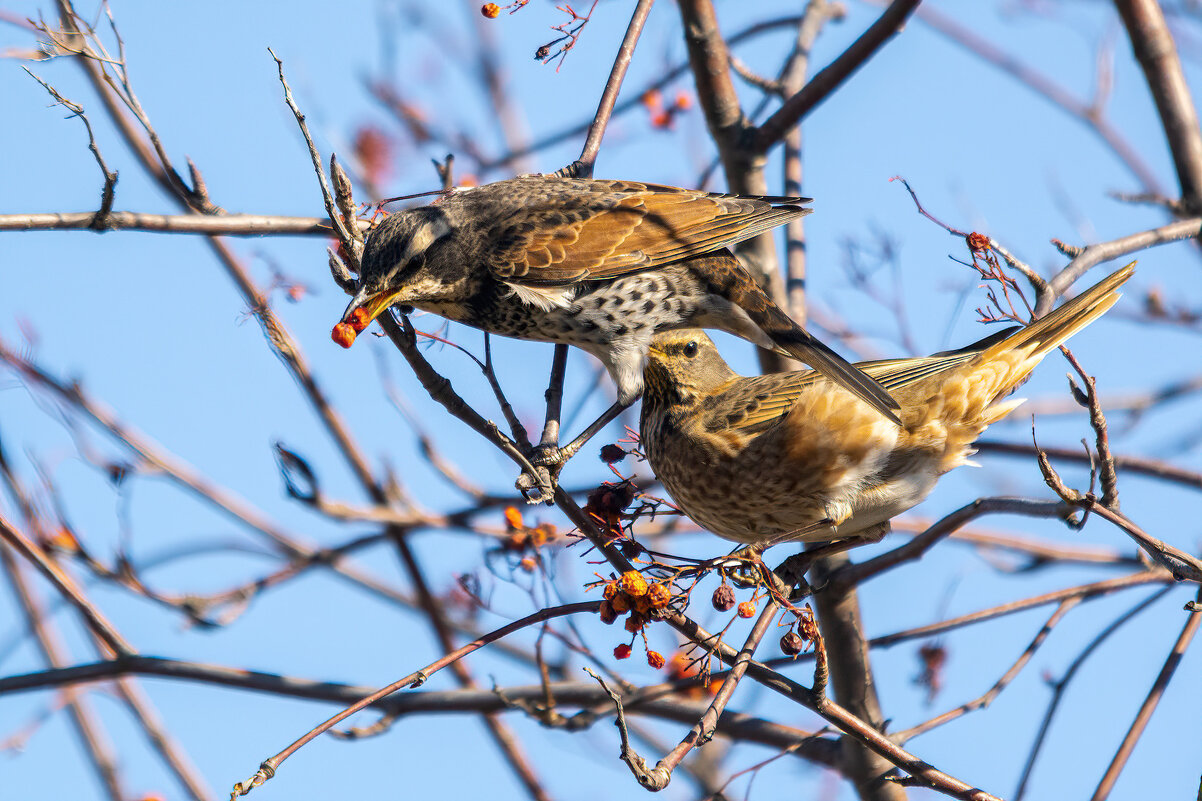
(748, 497)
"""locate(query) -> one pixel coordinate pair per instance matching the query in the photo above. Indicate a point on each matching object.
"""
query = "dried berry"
(622, 651)
(344, 335)
(724, 598)
(610, 590)
(642, 605)
(607, 613)
(655, 659)
(621, 602)
(791, 644)
(490, 10)
(633, 583)
(978, 243)
(746, 609)
(612, 453)
(635, 622)
(658, 595)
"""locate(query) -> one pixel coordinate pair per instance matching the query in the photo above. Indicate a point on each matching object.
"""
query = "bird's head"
(393, 270)
(683, 367)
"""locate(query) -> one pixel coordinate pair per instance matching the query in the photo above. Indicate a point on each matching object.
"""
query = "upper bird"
(603, 265)
(791, 456)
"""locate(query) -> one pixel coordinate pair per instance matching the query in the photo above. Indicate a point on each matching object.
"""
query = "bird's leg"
(552, 456)
(747, 559)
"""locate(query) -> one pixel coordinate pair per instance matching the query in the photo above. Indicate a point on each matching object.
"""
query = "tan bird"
(792, 456)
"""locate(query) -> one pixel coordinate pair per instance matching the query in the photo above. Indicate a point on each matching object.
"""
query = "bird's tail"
(1059, 324)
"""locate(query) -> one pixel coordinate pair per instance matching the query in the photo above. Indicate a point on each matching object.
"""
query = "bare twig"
(583, 167)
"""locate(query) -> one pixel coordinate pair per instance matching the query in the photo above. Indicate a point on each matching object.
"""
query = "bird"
(793, 457)
(600, 264)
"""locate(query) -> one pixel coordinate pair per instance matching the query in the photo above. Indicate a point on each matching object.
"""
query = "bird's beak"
(363, 308)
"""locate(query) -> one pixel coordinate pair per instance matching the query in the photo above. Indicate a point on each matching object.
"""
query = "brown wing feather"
(616, 228)
(755, 403)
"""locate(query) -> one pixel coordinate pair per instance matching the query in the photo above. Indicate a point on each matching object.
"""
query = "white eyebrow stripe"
(425, 235)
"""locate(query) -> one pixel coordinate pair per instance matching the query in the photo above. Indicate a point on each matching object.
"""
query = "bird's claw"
(539, 486)
(549, 456)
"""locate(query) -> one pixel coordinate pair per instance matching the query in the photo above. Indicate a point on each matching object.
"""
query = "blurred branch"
(87, 724)
(1149, 705)
(832, 76)
(1157, 55)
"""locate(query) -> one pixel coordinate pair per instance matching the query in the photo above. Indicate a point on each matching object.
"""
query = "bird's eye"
(690, 350)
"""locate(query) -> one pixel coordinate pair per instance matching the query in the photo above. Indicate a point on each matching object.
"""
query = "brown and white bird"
(791, 456)
(602, 265)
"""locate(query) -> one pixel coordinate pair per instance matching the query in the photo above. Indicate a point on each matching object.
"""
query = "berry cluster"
(630, 593)
(663, 116)
(344, 333)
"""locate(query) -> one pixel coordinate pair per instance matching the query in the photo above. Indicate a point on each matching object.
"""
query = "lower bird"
(792, 456)
(602, 265)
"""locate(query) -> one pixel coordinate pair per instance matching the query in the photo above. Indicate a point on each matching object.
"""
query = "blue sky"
(154, 329)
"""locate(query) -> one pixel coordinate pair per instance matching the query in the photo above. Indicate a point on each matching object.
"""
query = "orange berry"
(621, 602)
(528, 564)
(611, 589)
(513, 517)
(684, 100)
(360, 320)
(633, 583)
(652, 99)
(344, 335)
(642, 605)
(490, 10)
(622, 651)
(658, 595)
(655, 659)
(746, 609)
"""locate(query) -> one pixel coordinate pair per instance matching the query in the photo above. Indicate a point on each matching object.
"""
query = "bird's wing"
(614, 228)
(753, 404)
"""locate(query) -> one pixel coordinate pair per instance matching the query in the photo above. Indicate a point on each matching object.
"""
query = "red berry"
(622, 651)
(655, 659)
